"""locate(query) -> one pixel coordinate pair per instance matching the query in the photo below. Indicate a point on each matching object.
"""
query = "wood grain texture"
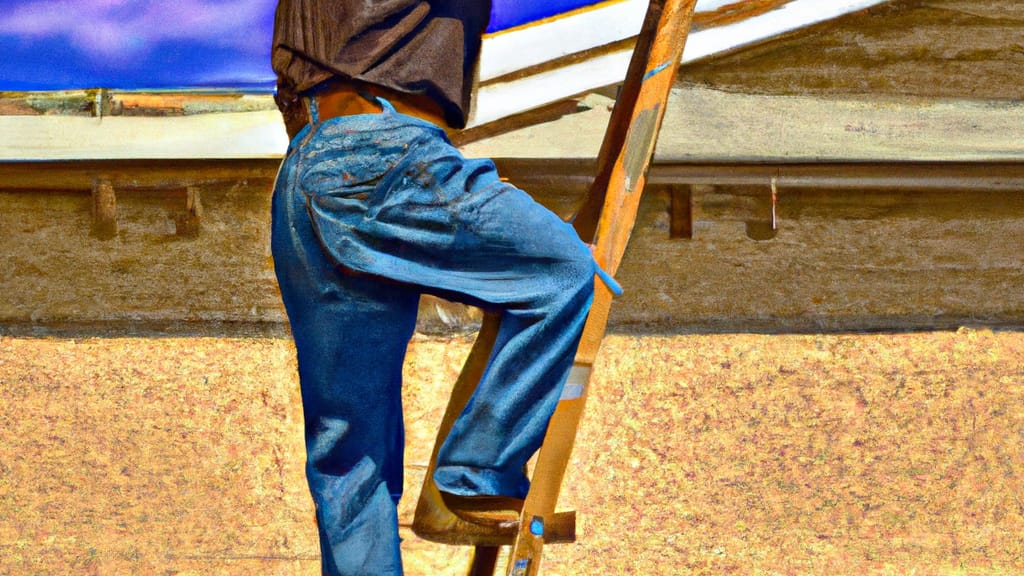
(935, 48)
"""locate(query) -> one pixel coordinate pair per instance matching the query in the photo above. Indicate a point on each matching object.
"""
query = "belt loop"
(314, 114)
(384, 104)
(387, 106)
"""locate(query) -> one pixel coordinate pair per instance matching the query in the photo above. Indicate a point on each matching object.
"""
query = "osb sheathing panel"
(840, 261)
(55, 269)
(928, 48)
(711, 454)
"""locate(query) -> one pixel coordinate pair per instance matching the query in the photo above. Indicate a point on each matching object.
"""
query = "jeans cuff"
(471, 481)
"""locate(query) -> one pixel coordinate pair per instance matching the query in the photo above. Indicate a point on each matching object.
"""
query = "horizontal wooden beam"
(138, 173)
(565, 177)
(835, 176)
(1005, 176)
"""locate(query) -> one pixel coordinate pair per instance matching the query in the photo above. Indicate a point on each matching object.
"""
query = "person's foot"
(497, 511)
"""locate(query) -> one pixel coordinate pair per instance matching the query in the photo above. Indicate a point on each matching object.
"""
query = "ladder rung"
(561, 529)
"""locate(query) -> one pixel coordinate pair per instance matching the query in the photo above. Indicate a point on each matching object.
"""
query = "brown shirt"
(427, 47)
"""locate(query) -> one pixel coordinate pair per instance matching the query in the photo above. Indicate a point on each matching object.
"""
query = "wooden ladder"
(605, 220)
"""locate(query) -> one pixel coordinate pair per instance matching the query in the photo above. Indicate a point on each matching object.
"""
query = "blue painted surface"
(152, 44)
(520, 567)
(659, 68)
(507, 14)
(537, 526)
(128, 44)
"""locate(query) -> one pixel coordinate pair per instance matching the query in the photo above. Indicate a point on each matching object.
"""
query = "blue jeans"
(370, 211)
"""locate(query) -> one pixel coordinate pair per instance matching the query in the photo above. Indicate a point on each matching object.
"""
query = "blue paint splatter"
(537, 526)
(520, 567)
(656, 70)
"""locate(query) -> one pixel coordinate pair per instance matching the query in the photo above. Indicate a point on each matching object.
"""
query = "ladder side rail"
(655, 64)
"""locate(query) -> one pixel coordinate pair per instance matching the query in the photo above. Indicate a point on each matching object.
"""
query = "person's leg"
(429, 217)
(542, 318)
(350, 334)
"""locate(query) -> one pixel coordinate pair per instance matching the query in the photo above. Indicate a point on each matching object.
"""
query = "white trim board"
(222, 135)
(609, 22)
(499, 99)
(533, 44)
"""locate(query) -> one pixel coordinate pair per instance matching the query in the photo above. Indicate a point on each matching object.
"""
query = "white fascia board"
(223, 135)
(496, 101)
(534, 44)
(500, 99)
(530, 45)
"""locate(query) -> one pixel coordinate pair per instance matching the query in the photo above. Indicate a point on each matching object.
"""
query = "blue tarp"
(507, 14)
(156, 44)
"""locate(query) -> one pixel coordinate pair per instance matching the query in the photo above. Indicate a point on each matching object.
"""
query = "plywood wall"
(925, 48)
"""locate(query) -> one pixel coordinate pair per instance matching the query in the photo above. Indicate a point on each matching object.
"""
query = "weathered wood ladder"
(606, 220)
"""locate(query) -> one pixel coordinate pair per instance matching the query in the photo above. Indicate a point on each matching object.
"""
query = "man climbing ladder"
(373, 206)
(606, 218)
